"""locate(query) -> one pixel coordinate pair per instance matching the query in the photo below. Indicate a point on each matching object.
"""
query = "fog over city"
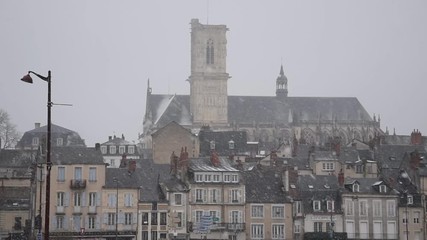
(101, 54)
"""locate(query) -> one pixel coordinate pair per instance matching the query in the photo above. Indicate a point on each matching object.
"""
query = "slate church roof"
(163, 109)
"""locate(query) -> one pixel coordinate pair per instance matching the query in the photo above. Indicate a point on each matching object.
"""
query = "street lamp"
(27, 78)
(117, 202)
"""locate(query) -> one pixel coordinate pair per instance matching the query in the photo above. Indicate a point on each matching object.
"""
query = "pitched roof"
(146, 178)
(76, 155)
(263, 109)
(264, 185)
(221, 140)
(204, 164)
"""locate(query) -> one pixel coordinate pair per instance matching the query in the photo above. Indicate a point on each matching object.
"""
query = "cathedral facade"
(270, 120)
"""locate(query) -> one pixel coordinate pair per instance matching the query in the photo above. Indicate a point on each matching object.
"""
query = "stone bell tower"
(208, 80)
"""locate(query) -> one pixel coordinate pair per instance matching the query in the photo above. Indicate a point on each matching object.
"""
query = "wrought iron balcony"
(78, 184)
(232, 227)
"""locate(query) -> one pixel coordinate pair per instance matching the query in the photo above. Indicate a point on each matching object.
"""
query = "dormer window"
(59, 141)
(316, 205)
(122, 149)
(410, 199)
(212, 145)
(231, 144)
(103, 149)
(112, 149)
(383, 188)
(35, 141)
(131, 150)
(330, 205)
(356, 187)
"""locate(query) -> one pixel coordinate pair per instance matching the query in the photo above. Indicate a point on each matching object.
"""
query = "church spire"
(281, 84)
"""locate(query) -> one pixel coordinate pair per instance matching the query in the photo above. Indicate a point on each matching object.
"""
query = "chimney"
(36, 125)
(123, 136)
(123, 161)
(132, 166)
(416, 137)
(273, 158)
(336, 145)
(341, 178)
(110, 138)
(215, 159)
(97, 146)
(286, 180)
(239, 165)
(173, 163)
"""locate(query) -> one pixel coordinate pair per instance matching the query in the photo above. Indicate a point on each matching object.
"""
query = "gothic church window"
(210, 52)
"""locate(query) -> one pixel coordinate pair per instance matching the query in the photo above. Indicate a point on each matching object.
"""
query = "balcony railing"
(60, 210)
(234, 227)
(78, 184)
(92, 210)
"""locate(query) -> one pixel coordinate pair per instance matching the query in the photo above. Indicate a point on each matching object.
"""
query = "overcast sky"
(101, 54)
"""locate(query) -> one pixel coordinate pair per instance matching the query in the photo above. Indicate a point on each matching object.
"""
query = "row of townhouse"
(216, 197)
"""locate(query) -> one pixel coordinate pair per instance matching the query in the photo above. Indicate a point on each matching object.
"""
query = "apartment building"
(77, 176)
(370, 209)
(216, 200)
(268, 209)
(153, 207)
(117, 151)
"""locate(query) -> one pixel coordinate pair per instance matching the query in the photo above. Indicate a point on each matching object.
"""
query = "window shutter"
(205, 195)
(239, 195)
(98, 199)
(97, 223)
(240, 217)
(218, 196)
(121, 219)
(105, 218)
(65, 223)
(67, 199)
(131, 200)
(87, 222)
(230, 217)
(54, 223)
(84, 199)
(230, 195)
(134, 218)
(194, 216)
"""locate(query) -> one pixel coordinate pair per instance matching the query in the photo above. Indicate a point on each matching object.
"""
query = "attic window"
(392, 158)
(59, 141)
(293, 186)
(327, 186)
(35, 141)
(316, 205)
(383, 188)
(310, 186)
(355, 187)
(410, 199)
(231, 144)
(212, 145)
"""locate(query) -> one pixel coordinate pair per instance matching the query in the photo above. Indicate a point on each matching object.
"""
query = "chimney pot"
(36, 125)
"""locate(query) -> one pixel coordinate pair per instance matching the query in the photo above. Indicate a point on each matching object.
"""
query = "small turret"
(281, 84)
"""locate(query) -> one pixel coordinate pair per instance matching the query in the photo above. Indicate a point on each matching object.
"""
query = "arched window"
(210, 52)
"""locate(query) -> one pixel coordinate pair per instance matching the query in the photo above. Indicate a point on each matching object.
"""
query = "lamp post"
(27, 78)
(117, 202)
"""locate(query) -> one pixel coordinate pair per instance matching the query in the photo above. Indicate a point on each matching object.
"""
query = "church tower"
(208, 80)
(281, 84)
